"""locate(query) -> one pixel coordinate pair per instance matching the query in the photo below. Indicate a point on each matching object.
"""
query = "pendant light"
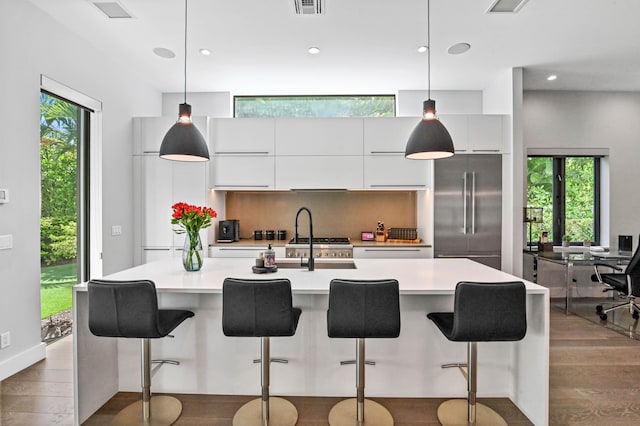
(429, 140)
(183, 141)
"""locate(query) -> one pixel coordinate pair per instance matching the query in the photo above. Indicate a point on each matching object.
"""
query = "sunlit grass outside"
(56, 288)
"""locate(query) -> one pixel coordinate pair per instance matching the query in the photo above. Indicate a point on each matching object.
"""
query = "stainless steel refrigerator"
(468, 208)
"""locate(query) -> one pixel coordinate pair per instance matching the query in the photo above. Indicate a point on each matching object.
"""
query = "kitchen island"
(408, 366)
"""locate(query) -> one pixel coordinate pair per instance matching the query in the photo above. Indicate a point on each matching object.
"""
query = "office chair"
(625, 282)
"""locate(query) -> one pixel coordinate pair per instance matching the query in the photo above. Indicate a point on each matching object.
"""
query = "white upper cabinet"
(319, 172)
(396, 172)
(475, 133)
(319, 136)
(242, 172)
(250, 136)
(485, 133)
(387, 135)
(458, 128)
(148, 132)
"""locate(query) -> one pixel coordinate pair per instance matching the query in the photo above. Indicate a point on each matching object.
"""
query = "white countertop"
(416, 276)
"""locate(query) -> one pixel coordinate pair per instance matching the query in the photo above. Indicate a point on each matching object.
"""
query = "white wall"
(210, 104)
(504, 96)
(559, 119)
(33, 44)
(409, 102)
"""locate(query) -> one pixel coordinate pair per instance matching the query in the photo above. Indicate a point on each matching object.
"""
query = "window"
(315, 106)
(568, 189)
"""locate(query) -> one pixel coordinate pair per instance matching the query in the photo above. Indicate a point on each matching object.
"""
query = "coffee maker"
(229, 230)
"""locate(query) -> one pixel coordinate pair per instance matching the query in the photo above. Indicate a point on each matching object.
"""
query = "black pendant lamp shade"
(183, 141)
(429, 140)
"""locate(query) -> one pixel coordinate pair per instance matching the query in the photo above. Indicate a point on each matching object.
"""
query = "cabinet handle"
(241, 186)
(467, 256)
(386, 152)
(241, 153)
(485, 150)
(397, 186)
(392, 250)
(156, 249)
(151, 152)
(240, 248)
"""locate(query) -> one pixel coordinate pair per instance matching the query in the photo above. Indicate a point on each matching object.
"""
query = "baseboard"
(19, 362)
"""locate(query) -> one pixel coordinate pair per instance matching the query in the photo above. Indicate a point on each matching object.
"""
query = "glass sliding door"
(64, 206)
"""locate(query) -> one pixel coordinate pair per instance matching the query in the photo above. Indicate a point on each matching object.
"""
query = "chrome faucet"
(310, 263)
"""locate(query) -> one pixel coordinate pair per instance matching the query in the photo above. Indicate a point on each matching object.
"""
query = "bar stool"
(129, 309)
(482, 312)
(362, 309)
(261, 308)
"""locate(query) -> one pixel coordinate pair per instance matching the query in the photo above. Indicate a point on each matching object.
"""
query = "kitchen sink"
(319, 265)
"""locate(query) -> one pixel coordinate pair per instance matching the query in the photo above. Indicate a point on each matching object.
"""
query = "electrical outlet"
(5, 340)
(116, 230)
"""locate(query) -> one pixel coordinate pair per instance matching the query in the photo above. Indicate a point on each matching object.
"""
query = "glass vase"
(192, 252)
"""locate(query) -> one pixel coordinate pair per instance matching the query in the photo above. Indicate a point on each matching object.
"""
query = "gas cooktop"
(321, 240)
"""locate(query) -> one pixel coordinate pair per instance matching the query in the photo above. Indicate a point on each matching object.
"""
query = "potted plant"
(566, 241)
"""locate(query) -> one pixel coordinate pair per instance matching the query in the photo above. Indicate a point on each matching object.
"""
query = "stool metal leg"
(266, 360)
(149, 411)
(460, 412)
(146, 379)
(472, 381)
(359, 411)
(266, 411)
(360, 381)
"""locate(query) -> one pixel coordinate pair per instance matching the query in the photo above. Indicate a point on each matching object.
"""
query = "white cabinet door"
(319, 136)
(396, 171)
(458, 128)
(387, 135)
(148, 132)
(319, 172)
(189, 185)
(392, 252)
(244, 251)
(232, 136)
(157, 197)
(485, 133)
(243, 172)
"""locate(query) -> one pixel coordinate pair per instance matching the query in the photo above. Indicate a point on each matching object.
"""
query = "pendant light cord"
(185, 51)
(428, 50)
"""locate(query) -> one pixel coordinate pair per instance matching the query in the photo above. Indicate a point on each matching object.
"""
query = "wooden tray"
(395, 240)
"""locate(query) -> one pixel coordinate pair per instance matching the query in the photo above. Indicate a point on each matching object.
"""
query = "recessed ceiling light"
(205, 52)
(459, 48)
(113, 9)
(422, 49)
(164, 52)
(314, 50)
(552, 77)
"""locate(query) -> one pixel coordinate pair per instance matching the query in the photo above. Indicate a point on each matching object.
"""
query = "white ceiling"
(368, 46)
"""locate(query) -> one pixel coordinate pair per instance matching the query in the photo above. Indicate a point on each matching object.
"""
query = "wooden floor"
(594, 380)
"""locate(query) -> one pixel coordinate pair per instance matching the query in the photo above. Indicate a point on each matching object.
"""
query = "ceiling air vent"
(308, 7)
(113, 9)
(506, 6)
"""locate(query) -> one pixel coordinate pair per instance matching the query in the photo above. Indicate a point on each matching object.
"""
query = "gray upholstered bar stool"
(482, 312)
(129, 309)
(362, 309)
(261, 308)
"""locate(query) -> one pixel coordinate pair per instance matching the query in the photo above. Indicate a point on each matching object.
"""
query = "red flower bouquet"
(190, 220)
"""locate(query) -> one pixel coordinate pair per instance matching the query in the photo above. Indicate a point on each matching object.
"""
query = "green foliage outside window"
(579, 197)
(315, 106)
(59, 180)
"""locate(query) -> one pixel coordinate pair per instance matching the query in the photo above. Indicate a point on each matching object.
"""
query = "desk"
(408, 366)
(571, 259)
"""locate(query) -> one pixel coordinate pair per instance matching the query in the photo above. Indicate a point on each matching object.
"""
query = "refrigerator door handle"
(464, 203)
(473, 203)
